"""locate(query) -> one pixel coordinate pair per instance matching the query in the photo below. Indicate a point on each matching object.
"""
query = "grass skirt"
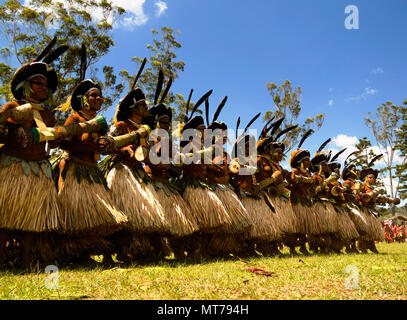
(208, 209)
(28, 202)
(307, 218)
(376, 230)
(86, 204)
(361, 222)
(51, 246)
(177, 213)
(327, 217)
(222, 245)
(138, 200)
(264, 220)
(241, 222)
(346, 228)
(286, 219)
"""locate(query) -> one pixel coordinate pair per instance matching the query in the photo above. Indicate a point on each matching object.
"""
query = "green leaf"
(35, 168)
(26, 168)
(46, 169)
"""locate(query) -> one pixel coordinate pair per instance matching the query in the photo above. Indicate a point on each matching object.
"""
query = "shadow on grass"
(96, 263)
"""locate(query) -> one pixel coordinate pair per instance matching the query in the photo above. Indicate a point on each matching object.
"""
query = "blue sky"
(236, 47)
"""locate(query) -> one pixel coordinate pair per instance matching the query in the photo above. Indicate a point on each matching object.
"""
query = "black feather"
(276, 125)
(55, 54)
(219, 109)
(187, 105)
(338, 154)
(200, 101)
(207, 111)
(304, 137)
(159, 86)
(323, 145)
(167, 88)
(251, 121)
(83, 63)
(357, 158)
(285, 131)
(237, 125)
(47, 49)
(264, 131)
(329, 155)
(374, 159)
(354, 152)
(140, 70)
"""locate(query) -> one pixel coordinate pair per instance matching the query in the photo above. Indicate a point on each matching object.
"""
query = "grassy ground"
(382, 276)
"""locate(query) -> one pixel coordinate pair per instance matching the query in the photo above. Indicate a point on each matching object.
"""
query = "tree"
(364, 156)
(28, 29)
(287, 103)
(365, 153)
(401, 144)
(162, 56)
(384, 129)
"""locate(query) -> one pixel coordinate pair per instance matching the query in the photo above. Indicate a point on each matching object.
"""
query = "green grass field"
(382, 276)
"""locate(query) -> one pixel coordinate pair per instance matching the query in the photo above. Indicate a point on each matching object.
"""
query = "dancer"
(28, 201)
(302, 184)
(89, 213)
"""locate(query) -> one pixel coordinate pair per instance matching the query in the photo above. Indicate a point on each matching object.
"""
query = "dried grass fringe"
(88, 208)
(138, 201)
(178, 214)
(326, 216)
(223, 244)
(241, 222)
(376, 230)
(285, 216)
(346, 228)
(208, 210)
(361, 222)
(57, 247)
(264, 220)
(139, 245)
(307, 219)
(28, 203)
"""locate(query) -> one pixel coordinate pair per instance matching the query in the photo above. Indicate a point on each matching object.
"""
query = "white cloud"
(330, 102)
(161, 8)
(343, 140)
(367, 92)
(349, 142)
(377, 70)
(134, 15)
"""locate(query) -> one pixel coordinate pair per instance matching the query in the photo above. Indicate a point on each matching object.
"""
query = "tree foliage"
(162, 56)
(365, 153)
(384, 127)
(287, 103)
(28, 29)
(401, 144)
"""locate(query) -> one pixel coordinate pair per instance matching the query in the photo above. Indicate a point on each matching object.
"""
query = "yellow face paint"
(85, 102)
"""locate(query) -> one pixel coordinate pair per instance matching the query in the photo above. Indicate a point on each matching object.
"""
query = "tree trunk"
(393, 207)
